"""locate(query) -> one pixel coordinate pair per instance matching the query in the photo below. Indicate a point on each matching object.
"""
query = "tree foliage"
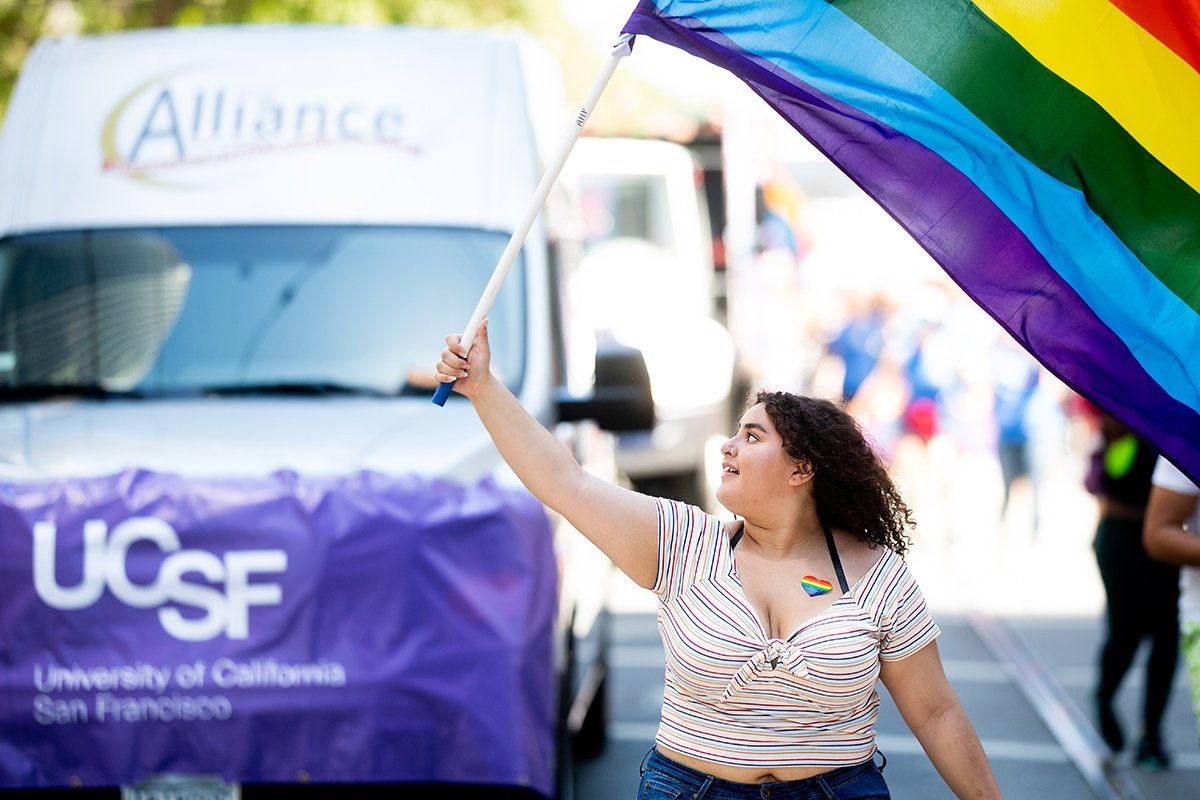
(23, 22)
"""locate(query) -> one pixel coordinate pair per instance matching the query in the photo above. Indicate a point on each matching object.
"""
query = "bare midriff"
(743, 774)
(1119, 510)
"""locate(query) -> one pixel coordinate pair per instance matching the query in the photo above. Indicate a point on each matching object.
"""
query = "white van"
(236, 538)
(647, 274)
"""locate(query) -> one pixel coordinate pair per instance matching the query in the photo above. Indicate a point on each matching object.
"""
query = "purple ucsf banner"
(365, 628)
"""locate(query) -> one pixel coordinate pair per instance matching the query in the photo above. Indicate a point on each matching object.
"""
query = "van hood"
(243, 437)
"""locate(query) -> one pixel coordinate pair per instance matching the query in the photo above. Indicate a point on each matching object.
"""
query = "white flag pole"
(622, 48)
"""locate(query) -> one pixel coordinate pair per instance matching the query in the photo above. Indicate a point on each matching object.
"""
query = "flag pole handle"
(622, 48)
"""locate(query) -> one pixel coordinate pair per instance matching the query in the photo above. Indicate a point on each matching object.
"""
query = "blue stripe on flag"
(814, 41)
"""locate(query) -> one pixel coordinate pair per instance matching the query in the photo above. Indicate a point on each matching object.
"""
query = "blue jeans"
(665, 779)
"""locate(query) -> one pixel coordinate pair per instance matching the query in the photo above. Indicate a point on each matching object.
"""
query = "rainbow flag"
(1045, 152)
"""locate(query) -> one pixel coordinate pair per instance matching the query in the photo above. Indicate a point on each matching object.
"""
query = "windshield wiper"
(46, 391)
(300, 388)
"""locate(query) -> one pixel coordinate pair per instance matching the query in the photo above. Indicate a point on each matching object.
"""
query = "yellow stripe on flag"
(1149, 90)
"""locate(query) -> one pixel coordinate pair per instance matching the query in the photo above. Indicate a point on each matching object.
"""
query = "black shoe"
(1110, 726)
(1151, 756)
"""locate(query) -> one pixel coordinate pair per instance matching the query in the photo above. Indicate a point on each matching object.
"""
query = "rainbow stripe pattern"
(1042, 151)
(815, 586)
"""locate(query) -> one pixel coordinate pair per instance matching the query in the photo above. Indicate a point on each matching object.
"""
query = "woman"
(1172, 533)
(1120, 477)
(772, 658)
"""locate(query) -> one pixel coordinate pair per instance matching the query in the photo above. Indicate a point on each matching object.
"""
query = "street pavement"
(1021, 615)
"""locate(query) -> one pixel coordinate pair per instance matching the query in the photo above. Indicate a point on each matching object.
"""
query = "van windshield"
(242, 310)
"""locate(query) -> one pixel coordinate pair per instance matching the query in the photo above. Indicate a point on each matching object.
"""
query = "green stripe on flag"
(1050, 123)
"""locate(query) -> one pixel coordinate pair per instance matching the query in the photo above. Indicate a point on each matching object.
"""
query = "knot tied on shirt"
(778, 654)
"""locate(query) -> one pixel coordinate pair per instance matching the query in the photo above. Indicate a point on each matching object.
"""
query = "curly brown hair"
(851, 487)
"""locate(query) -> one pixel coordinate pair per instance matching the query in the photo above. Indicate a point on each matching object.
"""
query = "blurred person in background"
(1172, 533)
(859, 343)
(781, 217)
(1142, 593)
(764, 299)
(1014, 382)
(924, 375)
(927, 452)
(928, 356)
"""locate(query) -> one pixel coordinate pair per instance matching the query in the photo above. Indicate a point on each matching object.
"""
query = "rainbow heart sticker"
(815, 586)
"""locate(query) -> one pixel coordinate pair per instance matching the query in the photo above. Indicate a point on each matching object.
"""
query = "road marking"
(633, 731)
(635, 656)
(996, 749)
(651, 657)
(1081, 677)
(964, 671)
(1066, 722)
(957, 669)
(1186, 761)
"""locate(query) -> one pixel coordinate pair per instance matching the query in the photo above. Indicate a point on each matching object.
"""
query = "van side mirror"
(621, 399)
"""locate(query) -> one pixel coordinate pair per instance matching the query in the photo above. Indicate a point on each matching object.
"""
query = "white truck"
(238, 544)
(648, 277)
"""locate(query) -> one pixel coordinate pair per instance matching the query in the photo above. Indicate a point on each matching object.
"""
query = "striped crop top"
(736, 696)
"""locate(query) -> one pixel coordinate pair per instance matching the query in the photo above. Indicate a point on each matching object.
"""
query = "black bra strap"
(833, 554)
(837, 562)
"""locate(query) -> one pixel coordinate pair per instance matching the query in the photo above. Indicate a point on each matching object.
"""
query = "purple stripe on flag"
(979, 247)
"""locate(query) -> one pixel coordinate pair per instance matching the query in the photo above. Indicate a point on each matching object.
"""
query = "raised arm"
(623, 524)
